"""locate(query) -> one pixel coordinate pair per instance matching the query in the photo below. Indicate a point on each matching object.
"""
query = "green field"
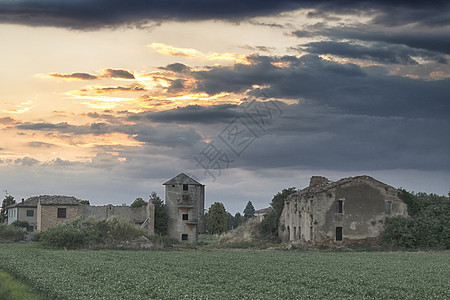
(114, 274)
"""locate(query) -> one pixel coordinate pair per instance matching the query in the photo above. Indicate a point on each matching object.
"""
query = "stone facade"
(185, 202)
(54, 210)
(350, 210)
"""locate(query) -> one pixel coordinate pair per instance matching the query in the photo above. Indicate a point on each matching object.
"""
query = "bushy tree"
(161, 216)
(138, 202)
(238, 219)
(7, 201)
(249, 211)
(428, 224)
(269, 226)
(217, 219)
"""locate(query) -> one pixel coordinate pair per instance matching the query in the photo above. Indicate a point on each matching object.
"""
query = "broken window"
(311, 235)
(185, 187)
(184, 237)
(185, 217)
(61, 212)
(299, 232)
(339, 206)
(387, 207)
(295, 233)
(338, 234)
(30, 213)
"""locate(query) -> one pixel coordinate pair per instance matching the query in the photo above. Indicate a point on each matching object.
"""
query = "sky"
(107, 100)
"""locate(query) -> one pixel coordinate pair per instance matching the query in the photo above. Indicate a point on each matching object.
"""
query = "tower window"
(339, 206)
(388, 207)
(338, 234)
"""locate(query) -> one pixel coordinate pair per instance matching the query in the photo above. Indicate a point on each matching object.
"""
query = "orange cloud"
(7, 121)
(165, 49)
(75, 76)
(110, 89)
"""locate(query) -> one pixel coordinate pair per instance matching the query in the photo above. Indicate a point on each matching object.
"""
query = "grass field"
(113, 274)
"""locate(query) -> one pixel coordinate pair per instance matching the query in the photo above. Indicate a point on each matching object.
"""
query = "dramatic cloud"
(378, 52)
(75, 76)
(343, 87)
(100, 13)
(191, 114)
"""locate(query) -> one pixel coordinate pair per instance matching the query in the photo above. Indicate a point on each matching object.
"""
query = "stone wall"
(312, 215)
(181, 202)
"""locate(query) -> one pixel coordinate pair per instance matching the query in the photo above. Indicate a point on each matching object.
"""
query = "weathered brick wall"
(48, 215)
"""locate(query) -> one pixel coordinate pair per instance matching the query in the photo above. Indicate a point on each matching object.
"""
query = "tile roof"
(182, 179)
(57, 200)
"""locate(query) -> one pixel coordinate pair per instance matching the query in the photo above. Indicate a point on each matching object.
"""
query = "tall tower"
(185, 202)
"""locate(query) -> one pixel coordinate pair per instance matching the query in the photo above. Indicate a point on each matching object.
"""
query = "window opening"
(184, 237)
(185, 217)
(338, 234)
(30, 213)
(339, 206)
(61, 212)
(185, 187)
(388, 207)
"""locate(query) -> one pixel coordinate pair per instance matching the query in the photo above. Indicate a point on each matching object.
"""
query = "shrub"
(89, 232)
(20, 224)
(11, 233)
(428, 224)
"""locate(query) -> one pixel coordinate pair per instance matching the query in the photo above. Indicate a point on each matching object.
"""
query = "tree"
(161, 216)
(269, 226)
(249, 211)
(7, 201)
(238, 219)
(217, 219)
(138, 202)
(85, 202)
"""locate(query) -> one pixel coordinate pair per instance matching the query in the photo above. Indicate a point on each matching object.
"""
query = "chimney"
(23, 200)
(318, 180)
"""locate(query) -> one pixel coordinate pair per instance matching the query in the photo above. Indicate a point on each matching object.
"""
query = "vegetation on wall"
(269, 226)
(428, 224)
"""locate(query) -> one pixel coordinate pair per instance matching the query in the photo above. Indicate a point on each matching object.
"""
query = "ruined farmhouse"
(185, 202)
(349, 210)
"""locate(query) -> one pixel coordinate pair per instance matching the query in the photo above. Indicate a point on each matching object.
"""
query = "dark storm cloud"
(101, 13)
(344, 87)
(118, 73)
(163, 135)
(191, 114)
(379, 52)
(432, 39)
(75, 76)
(320, 140)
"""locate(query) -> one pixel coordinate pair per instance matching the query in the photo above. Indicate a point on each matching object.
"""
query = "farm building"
(24, 211)
(43, 212)
(185, 202)
(352, 209)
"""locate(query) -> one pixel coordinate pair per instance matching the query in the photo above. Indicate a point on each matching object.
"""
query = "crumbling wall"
(311, 215)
